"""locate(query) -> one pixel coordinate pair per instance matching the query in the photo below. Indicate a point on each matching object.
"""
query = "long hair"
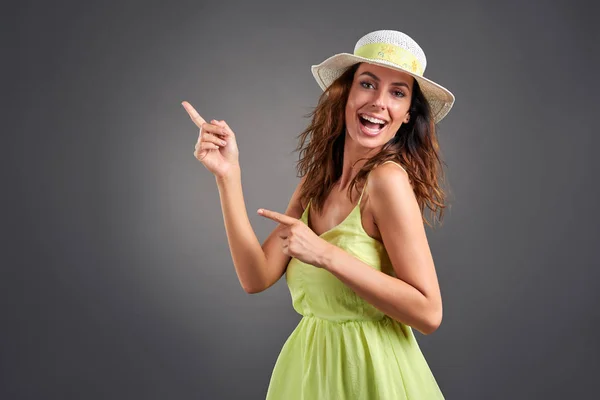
(415, 146)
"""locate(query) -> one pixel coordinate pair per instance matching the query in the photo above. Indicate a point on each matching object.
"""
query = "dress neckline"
(336, 226)
(345, 220)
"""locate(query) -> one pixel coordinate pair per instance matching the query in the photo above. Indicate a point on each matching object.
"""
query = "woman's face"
(378, 104)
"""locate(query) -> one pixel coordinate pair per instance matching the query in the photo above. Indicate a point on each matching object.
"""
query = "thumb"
(224, 125)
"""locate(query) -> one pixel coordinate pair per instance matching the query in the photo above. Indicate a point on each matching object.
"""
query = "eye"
(366, 85)
(398, 93)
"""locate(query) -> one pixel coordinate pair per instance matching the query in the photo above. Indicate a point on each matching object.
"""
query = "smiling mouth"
(370, 125)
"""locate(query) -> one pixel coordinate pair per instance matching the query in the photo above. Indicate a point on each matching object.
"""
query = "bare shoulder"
(389, 178)
(391, 193)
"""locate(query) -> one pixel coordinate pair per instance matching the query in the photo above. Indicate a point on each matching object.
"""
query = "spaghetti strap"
(363, 191)
(392, 161)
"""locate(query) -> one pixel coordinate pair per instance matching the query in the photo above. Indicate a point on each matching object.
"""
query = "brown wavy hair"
(415, 147)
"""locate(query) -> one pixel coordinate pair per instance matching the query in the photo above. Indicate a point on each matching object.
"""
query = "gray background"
(116, 279)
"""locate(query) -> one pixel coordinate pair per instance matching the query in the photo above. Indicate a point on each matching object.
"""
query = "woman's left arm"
(414, 297)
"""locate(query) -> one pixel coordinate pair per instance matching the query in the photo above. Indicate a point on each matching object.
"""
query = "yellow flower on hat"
(414, 68)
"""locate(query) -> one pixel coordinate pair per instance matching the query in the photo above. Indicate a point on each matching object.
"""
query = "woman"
(352, 241)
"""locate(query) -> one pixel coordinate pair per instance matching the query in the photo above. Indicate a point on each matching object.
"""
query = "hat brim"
(440, 99)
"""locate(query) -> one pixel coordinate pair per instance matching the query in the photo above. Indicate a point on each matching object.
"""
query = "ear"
(407, 118)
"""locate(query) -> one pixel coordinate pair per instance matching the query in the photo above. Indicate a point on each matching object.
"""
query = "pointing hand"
(216, 147)
(298, 240)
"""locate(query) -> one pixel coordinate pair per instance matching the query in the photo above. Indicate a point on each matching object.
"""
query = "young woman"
(352, 241)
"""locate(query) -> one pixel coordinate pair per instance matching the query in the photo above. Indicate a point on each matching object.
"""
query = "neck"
(355, 157)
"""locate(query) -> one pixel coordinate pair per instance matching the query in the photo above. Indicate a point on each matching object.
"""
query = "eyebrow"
(379, 80)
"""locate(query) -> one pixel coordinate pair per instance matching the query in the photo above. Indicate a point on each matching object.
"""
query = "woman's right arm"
(257, 267)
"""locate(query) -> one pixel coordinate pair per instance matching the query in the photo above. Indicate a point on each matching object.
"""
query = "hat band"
(391, 53)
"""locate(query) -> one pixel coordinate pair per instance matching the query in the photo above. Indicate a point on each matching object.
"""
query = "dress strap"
(392, 161)
(363, 190)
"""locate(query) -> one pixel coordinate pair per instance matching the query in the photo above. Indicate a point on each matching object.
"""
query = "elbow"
(255, 288)
(252, 286)
(252, 289)
(433, 321)
(431, 327)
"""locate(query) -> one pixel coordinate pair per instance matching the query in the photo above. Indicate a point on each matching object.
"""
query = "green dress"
(343, 347)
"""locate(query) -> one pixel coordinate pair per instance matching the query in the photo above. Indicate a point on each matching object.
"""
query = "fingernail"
(260, 211)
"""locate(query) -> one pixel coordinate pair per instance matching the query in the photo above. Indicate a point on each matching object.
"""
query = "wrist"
(233, 174)
(328, 256)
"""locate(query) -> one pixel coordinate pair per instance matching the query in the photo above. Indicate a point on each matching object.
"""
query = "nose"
(378, 100)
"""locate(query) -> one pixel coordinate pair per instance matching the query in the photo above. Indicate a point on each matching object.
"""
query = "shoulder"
(390, 191)
(388, 178)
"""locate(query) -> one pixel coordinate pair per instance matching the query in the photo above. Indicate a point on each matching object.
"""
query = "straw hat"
(394, 50)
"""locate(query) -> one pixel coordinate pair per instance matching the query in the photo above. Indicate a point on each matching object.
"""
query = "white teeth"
(373, 120)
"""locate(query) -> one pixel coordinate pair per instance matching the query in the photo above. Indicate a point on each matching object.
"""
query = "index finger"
(277, 217)
(196, 118)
